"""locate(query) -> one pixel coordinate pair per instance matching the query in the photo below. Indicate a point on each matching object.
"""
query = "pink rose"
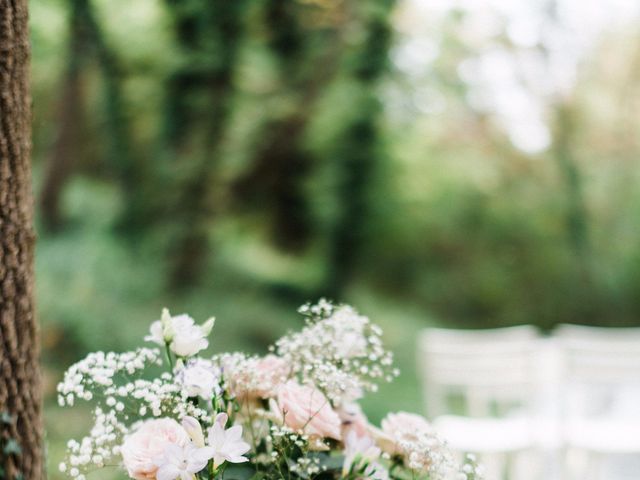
(252, 378)
(306, 408)
(146, 444)
(272, 372)
(353, 420)
(402, 427)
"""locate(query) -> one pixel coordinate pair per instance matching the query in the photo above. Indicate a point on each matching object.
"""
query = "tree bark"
(19, 373)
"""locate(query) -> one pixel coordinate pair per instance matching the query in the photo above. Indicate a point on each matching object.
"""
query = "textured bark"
(19, 374)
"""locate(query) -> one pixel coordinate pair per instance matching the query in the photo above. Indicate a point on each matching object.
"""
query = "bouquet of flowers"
(170, 413)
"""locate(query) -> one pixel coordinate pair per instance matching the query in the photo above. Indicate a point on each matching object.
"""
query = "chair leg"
(572, 467)
(494, 465)
(595, 466)
(527, 464)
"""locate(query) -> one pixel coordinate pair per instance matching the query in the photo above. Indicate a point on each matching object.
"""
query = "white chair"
(489, 378)
(601, 411)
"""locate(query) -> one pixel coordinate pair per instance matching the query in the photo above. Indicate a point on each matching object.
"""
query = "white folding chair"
(488, 378)
(601, 412)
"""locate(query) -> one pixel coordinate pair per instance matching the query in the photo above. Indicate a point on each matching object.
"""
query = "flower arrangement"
(170, 413)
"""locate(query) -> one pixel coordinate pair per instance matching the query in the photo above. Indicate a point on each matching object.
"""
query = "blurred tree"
(358, 146)
(121, 159)
(199, 102)
(564, 147)
(563, 151)
(87, 42)
(20, 391)
(67, 145)
(281, 165)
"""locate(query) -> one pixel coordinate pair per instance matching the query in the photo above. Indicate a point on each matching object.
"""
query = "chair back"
(479, 373)
(601, 370)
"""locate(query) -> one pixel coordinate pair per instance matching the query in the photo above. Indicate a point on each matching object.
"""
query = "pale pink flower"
(402, 427)
(302, 407)
(361, 456)
(149, 441)
(353, 420)
(253, 378)
(272, 372)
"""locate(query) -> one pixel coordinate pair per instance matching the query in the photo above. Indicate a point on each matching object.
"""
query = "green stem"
(169, 357)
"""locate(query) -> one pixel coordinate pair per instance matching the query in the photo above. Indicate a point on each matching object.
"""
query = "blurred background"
(435, 163)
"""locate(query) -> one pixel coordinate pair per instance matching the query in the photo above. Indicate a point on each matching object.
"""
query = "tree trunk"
(275, 183)
(213, 54)
(576, 217)
(20, 395)
(358, 150)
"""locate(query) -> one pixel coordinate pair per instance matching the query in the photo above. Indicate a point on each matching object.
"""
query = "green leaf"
(242, 472)
(6, 418)
(331, 462)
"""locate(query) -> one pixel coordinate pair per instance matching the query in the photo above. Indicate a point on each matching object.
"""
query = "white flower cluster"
(470, 470)
(307, 467)
(427, 453)
(339, 351)
(238, 372)
(412, 438)
(252, 376)
(281, 434)
(106, 378)
(96, 449)
(98, 370)
(291, 413)
(200, 378)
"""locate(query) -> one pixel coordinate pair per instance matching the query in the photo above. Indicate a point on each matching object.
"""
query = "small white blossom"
(181, 462)
(199, 378)
(180, 332)
(226, 445)
(339, 351)
(193, 428)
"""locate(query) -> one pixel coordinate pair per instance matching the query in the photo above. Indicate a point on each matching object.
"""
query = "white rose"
(200, 378)
(184, 337)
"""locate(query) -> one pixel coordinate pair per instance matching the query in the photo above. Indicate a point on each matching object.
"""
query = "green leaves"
(242, 472)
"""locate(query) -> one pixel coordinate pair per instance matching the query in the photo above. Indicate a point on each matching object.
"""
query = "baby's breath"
(339, 351)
